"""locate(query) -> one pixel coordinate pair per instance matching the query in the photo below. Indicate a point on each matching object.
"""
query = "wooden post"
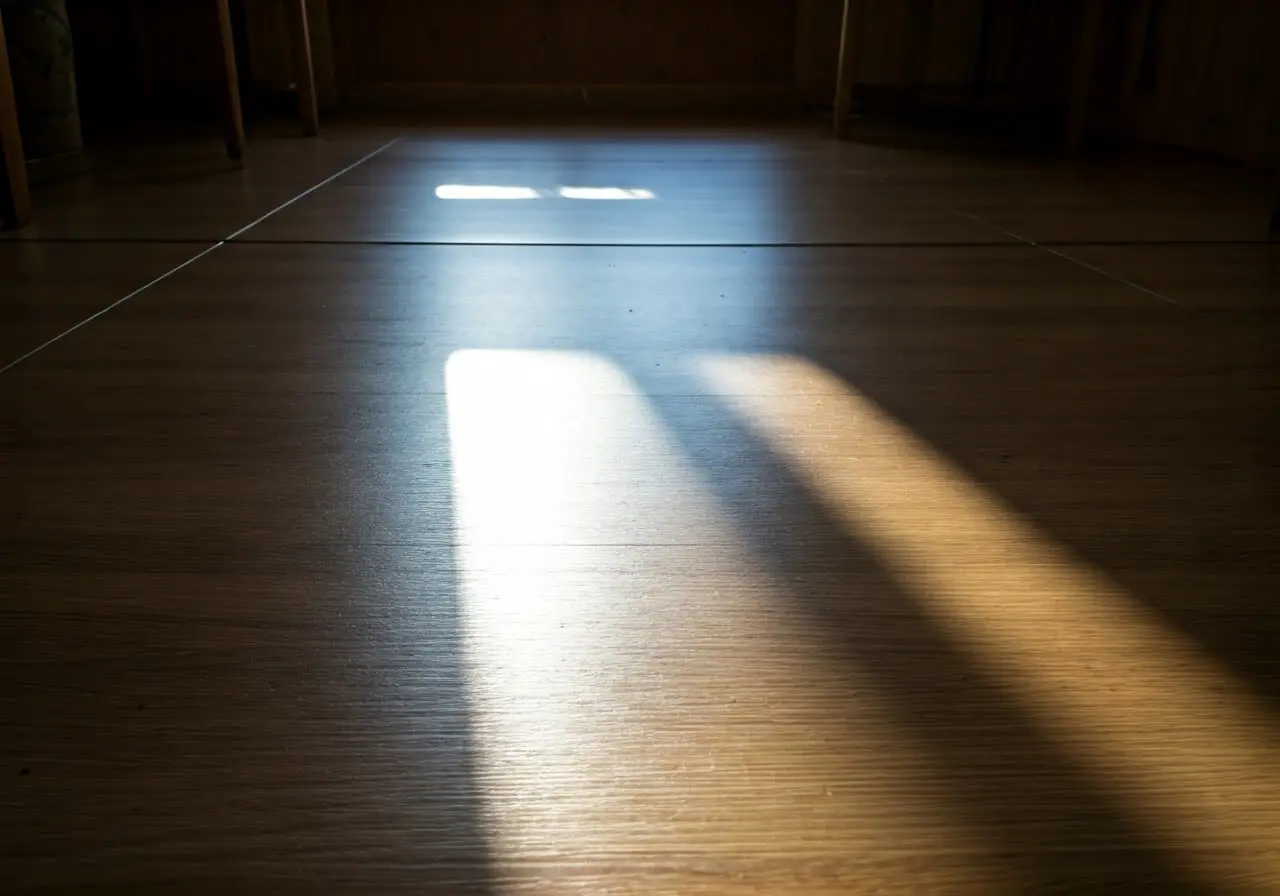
(848, 65)
(15, 197)
(1082, 84)
(303, 68)
(234, 119)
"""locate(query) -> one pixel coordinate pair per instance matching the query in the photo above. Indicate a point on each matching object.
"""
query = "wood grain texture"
(1217, 80)
(186, 190)
(1135, 195)
(780, 187)
(49, 287)
(714, 187)
(361, 568)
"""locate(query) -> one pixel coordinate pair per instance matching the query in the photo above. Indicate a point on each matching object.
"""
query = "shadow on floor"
(1159, 476)
(1024, 796)
(216, 675)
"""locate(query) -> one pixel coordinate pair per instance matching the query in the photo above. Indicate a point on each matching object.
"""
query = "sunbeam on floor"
(1181, 744)
(643, 693)
(586, 508)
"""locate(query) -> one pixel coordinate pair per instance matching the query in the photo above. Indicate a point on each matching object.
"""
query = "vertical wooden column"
(1082, 83)
(234, 118)
(15, 198)
(848, 65)
(303, 67)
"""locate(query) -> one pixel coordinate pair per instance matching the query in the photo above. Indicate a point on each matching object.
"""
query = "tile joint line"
(194, 258)
(1026, 241)
(1066, 256)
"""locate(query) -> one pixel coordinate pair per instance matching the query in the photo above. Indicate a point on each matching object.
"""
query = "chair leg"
(234, 118)
(303, 68)
(848, 65)
(15, 197)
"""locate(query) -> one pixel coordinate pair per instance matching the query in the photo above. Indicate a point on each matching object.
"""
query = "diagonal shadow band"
(1023, 794)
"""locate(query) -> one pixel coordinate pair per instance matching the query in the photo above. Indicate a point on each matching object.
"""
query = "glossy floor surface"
(824, 518)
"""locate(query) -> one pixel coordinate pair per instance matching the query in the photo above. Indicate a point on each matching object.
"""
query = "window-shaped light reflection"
(604, 193)
(484, 191)
(625, 652)
(1181, 744)
(498, 192)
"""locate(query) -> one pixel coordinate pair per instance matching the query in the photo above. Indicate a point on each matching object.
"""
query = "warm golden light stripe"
(1179, 743)
(641, 691)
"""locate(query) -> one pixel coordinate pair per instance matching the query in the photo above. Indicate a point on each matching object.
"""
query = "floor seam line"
(1066, 256)
(1027, 241)
(192, 260)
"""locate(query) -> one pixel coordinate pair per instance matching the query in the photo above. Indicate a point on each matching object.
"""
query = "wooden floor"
(842, 519)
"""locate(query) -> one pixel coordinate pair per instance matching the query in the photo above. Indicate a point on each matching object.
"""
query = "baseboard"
(607, 99)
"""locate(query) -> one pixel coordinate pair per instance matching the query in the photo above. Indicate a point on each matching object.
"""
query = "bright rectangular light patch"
(602, 593)
(604, 193)
(483, 191)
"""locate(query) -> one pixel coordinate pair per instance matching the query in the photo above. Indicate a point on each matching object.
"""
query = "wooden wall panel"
(953, 42)
(271, 54)
(136, 58)
(624, 42)
(181, 45)
(937, 45)
(1216, 86)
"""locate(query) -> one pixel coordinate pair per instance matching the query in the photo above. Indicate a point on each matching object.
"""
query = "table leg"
(848, 65)
(234, 118)
(303, 69)
(15, 198)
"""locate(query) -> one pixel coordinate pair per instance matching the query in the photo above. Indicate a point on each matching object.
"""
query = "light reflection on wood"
(636, 701)
(1185, 747)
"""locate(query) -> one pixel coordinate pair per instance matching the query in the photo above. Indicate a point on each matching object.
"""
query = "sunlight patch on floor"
(484, 191)
(498, 192)
(604, 193)
(1162, 727)
(639, 685)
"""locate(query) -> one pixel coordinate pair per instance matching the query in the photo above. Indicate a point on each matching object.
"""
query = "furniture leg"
(15, 197)
(303, 68)
(848, 65)
(234, 118)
